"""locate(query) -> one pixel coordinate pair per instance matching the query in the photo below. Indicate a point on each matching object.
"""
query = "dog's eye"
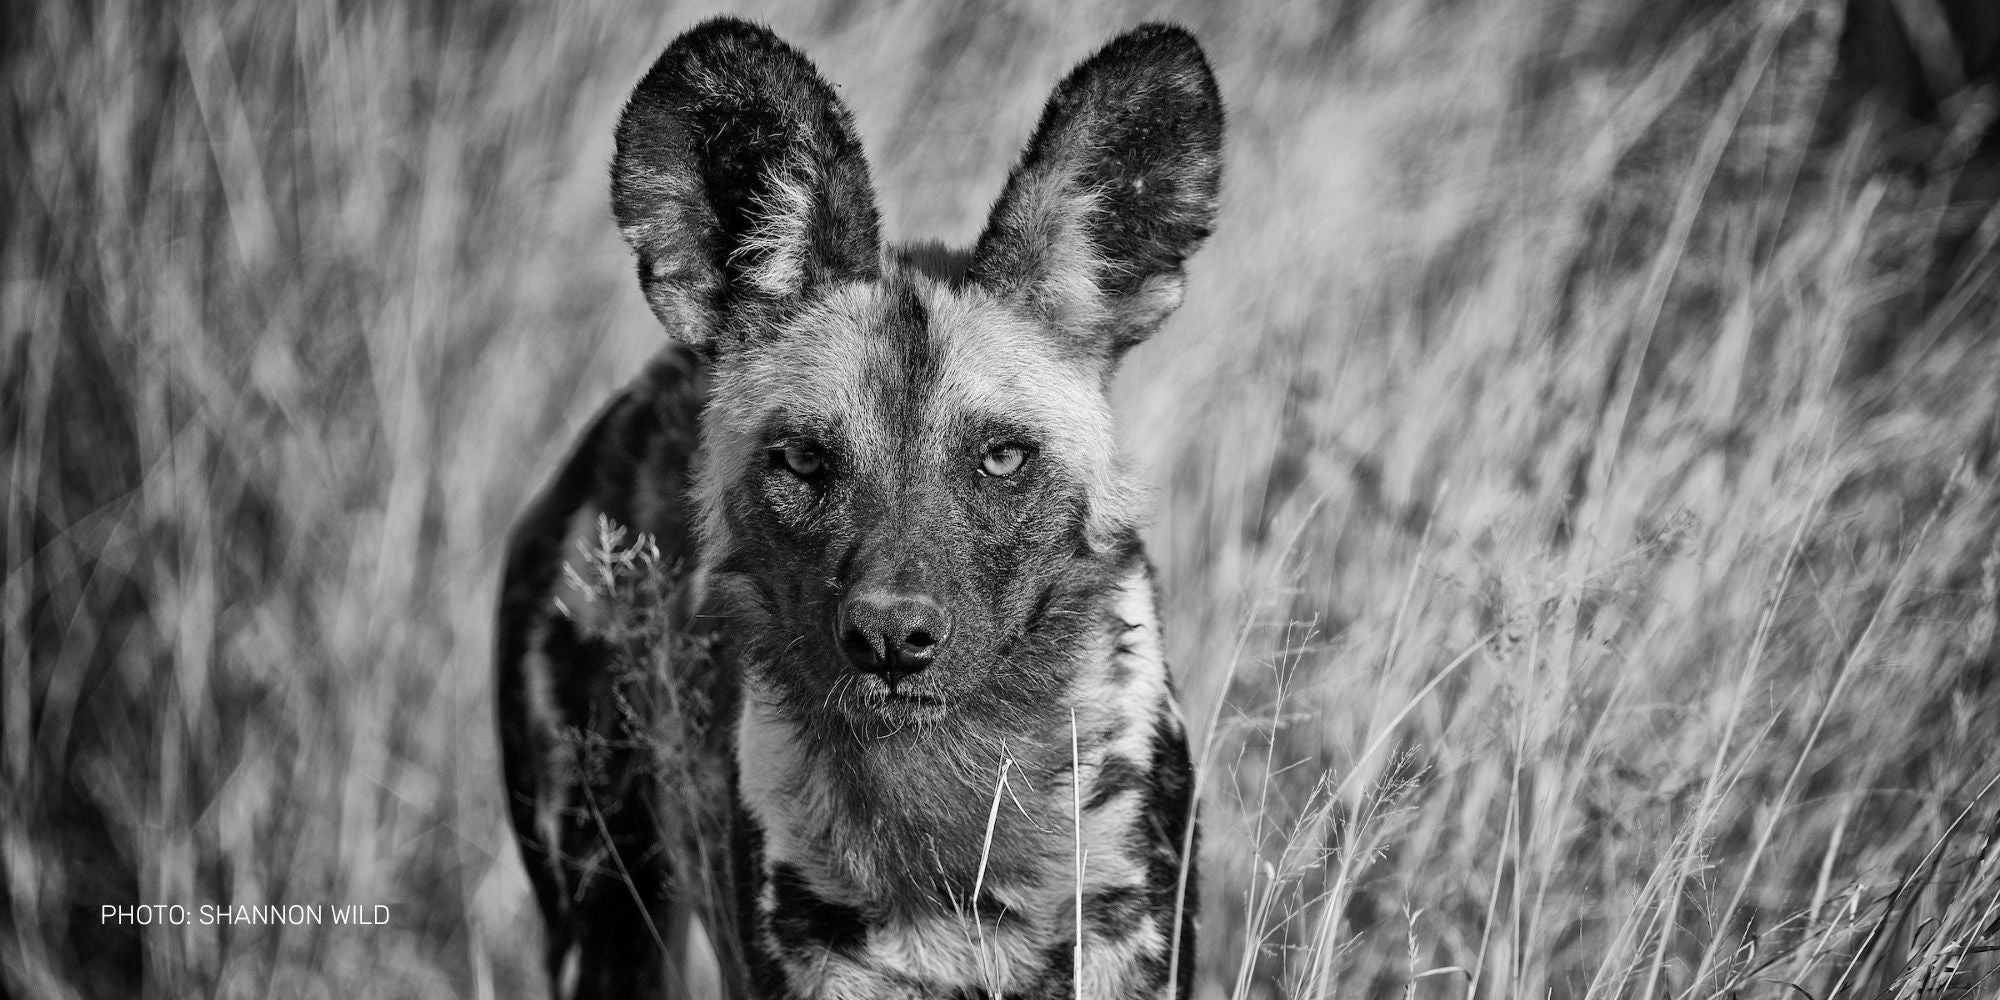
(803, 459)
(1003, 460)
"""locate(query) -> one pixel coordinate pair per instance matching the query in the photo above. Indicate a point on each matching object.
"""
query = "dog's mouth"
(892, 690)
(876, 698)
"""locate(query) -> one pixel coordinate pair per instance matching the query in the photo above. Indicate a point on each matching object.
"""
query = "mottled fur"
(958, 745)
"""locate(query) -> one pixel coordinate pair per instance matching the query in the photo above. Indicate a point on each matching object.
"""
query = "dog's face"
(909, 479)
(901, 483)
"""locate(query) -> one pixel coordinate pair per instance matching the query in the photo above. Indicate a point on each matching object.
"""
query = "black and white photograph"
(1014, 500)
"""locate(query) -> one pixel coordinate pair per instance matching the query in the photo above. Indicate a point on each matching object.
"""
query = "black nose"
(893, 634)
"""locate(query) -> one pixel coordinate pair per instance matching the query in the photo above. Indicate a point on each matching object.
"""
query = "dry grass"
(1577, 485)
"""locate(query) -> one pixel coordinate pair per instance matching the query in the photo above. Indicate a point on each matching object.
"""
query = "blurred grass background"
(1575, 464)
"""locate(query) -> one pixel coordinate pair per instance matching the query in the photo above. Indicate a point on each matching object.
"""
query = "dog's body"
(959, 769)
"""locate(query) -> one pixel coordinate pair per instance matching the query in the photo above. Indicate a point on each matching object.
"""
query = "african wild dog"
(916, 581)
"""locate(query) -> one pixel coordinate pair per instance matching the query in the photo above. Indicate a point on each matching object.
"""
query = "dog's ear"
(739, 181)
(1115, 190)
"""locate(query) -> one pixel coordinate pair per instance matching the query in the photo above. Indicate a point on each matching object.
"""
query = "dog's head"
(909, 481)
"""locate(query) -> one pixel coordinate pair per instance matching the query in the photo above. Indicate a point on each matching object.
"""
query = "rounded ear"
(739, 180)
(1116, 189)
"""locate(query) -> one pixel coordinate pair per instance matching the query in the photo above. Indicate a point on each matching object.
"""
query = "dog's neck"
(932, 817)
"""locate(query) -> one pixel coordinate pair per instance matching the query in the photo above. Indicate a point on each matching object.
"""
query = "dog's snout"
(890, 633)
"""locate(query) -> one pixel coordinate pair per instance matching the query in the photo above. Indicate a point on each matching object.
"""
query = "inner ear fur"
(739, 181)
(1118, 186)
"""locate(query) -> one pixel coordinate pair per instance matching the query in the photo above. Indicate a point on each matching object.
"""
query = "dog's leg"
(612, 716)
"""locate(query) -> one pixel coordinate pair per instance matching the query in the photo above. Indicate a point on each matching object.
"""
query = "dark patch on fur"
(1059, 981)
(936, 261)
(800, 916)
(1121, 673)
(765, 974)
(1160, 834)
(1116, 775)
(911, 375)
(1115, 912)
(988, 908)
